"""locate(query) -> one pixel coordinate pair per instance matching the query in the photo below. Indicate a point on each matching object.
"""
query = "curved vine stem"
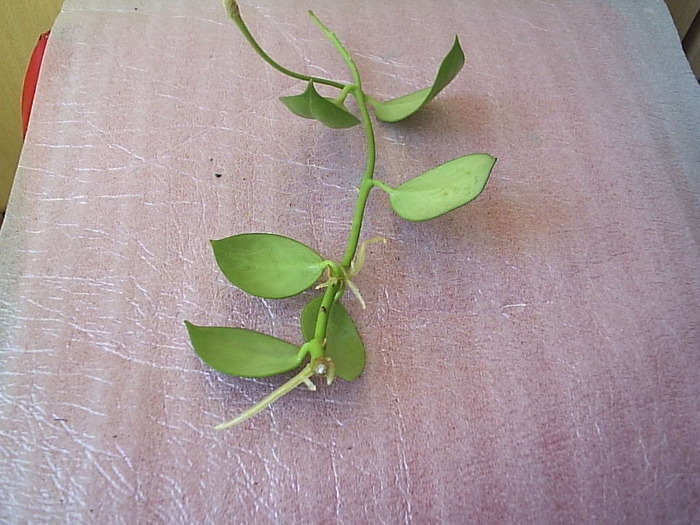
(366, 184)
(235, 15)
(339, 275)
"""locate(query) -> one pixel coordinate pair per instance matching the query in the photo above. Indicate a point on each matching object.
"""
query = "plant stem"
(343, 94)
(324, 312)
(367, 184)
(234, 13)
(335, 290)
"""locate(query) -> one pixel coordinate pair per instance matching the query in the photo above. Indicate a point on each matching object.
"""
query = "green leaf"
(405, 106)
(441, 189)
(242, 352)
(268, 265)
(312, 105)
(343, 343)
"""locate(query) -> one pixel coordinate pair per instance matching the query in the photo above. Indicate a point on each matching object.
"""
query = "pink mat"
(533, 357)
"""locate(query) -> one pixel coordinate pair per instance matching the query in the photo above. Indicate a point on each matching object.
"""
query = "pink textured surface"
(533, 357)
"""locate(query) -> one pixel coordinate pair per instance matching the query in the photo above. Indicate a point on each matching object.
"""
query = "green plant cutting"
(273, 266)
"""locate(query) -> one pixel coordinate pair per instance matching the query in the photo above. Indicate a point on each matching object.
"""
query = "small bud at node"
(232, 8)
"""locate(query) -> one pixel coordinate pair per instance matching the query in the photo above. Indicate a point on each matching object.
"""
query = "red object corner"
(30, 80)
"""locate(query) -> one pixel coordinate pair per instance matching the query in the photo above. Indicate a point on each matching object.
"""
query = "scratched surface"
(532, 357)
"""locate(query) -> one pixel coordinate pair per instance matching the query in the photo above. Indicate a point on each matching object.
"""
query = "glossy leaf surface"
(242, 352)
(344, 345)
(405, 106)
(443, 188)
(267, 265)
(312, 105)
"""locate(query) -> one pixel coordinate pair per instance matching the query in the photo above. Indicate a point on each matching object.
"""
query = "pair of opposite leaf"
(246, 353)
(334, 114)
(273, 266)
